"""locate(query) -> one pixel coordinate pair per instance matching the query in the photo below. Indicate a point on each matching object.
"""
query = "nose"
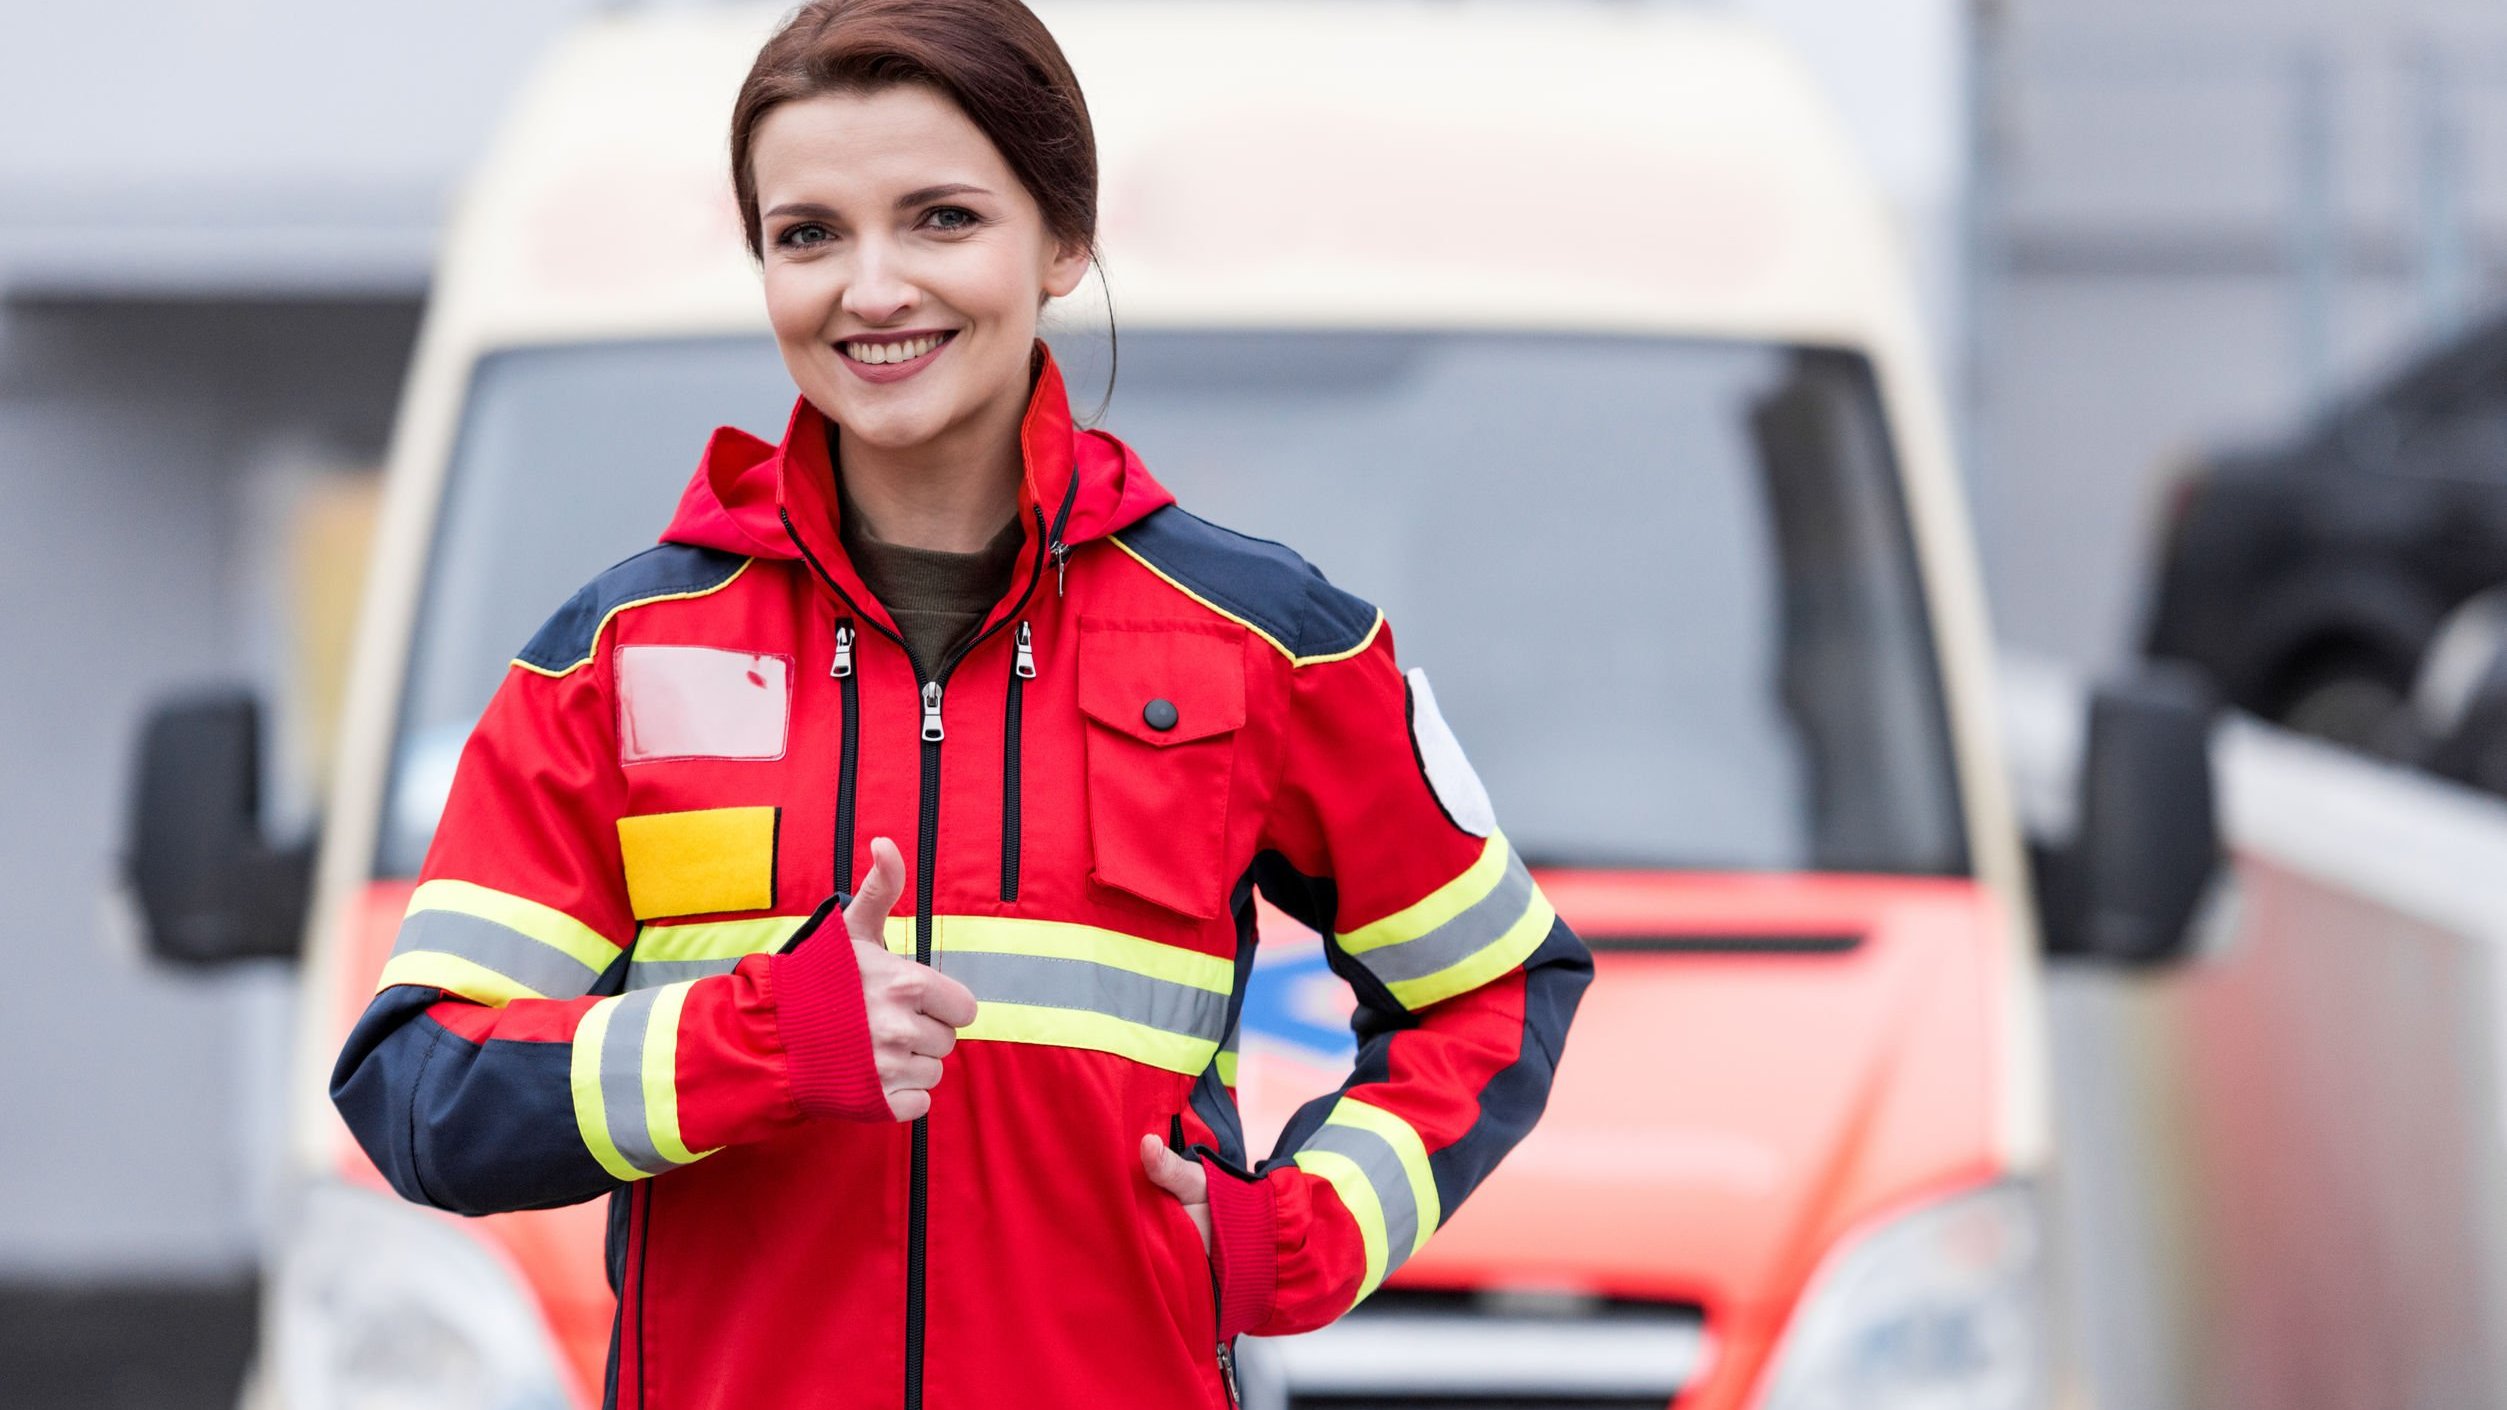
(880, 290)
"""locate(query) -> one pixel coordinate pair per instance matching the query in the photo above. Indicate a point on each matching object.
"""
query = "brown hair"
(993, 58)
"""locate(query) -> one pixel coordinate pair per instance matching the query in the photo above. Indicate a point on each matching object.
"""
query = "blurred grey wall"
(215, 224)
(2193, 222)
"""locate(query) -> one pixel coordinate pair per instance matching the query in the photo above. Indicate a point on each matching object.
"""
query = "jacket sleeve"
(1380, 837)
(499, 1067)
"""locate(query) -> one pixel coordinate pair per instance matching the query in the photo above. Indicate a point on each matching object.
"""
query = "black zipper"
(929, 685)
(849, 685)
(1013, 733)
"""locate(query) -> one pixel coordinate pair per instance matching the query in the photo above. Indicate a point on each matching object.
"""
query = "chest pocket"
(1163, 701)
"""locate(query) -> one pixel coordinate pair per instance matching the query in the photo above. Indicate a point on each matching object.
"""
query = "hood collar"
(745, 490)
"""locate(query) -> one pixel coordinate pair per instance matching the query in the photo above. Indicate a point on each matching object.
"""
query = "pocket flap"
(1162, 682)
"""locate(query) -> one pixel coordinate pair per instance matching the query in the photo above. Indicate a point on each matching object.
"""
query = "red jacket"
(599, 987)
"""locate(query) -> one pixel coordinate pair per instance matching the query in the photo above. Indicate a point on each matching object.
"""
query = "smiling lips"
(888, 357)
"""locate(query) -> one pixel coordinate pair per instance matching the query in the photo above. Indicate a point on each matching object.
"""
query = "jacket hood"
(1086, 483)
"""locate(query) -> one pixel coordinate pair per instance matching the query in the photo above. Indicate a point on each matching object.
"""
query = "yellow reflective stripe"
(661, 1075)
(718, 939)
(1435, 908)
(454, 975)
(1358, 1196)
(584, 1074)
(1054, 939)
(999, 1020)
(1227, 1067)
(1413, 1152)
(546, 924)
(1492, 960)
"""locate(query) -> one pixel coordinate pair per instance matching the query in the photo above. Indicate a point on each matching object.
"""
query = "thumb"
(882, 885)
(1184, 1179)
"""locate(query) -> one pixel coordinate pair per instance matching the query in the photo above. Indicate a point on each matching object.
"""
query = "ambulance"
(1574, 338)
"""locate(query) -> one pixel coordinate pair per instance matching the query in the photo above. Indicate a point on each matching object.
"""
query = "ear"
(1064, 268)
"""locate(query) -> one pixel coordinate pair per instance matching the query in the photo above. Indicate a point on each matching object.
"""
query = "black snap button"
(1159, 713)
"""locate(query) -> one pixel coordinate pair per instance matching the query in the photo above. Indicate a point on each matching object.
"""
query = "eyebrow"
(910, 199)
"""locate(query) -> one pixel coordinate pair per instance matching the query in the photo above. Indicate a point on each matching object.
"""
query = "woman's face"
(905, 264)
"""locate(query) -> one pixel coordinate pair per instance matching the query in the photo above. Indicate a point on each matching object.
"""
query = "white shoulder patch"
(1451, 778)
(701, 702)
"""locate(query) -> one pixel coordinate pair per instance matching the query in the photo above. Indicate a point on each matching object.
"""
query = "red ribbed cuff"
(817, 995)
(1244, 1232)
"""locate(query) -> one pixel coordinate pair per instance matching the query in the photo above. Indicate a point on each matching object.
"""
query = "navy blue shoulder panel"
(1260, 583)
(565, 640)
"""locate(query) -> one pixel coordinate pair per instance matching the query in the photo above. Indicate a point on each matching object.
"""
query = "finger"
(948, 1000)
(931, 1038)
(882, 885)
(909, 1105)
(1172, 1173)
(911, 1072)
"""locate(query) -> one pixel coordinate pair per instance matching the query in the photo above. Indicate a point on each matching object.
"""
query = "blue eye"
(802, 235)
(964, 219)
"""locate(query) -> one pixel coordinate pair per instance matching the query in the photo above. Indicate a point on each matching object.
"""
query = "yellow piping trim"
(595, 648)
(661, 1076)
(1293, 658)
(454, 975)
(1404, 1140)
(1492, 960)
(584, 1075)
(719, 939)
(1438, 906)
(546, 924)
(1357, 1195)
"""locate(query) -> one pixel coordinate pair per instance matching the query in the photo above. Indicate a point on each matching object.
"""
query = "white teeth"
(877, 354)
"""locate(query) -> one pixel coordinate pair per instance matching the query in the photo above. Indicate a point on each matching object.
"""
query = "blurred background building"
(2142, 228)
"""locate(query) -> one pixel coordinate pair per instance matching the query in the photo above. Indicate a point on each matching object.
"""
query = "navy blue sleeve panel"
(472, 1127)
(566, 639)
(1263, 584)
(1554, 980)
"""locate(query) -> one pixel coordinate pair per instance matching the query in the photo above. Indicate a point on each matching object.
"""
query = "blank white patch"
(1451, 778)
(701, 702)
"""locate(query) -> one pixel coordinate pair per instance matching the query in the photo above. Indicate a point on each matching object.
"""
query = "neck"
(953, 492)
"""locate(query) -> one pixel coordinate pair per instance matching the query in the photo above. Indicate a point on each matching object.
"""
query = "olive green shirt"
(938, 598)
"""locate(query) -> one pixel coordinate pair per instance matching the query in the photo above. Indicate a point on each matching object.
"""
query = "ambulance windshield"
(1666, 590)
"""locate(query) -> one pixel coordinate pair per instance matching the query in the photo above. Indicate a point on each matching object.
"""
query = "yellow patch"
(700, 862)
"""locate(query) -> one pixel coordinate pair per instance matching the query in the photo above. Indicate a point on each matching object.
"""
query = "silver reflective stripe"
(1391, 1182)
(651, 974)
(622, 1082)
(1479, 925)
(1053, 981)
(540, 967)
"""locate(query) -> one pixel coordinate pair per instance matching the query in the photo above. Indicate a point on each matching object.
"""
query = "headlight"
(381, 1305)
(1942, 1308)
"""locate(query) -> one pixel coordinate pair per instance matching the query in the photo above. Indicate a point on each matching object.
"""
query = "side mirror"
(211, 888)
(2125, 889)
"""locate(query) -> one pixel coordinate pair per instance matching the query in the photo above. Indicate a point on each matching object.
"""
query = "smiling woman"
(630, 967)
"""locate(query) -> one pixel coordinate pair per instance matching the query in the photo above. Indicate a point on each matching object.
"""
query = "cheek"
(797, 302)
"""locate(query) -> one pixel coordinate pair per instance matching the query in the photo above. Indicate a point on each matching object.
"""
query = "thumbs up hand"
(914, 1010)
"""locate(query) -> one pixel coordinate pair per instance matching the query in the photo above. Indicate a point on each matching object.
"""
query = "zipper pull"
(1026, 654)
(844, 651)
(1061, 560)
(931, 712)
(1227, 1374)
